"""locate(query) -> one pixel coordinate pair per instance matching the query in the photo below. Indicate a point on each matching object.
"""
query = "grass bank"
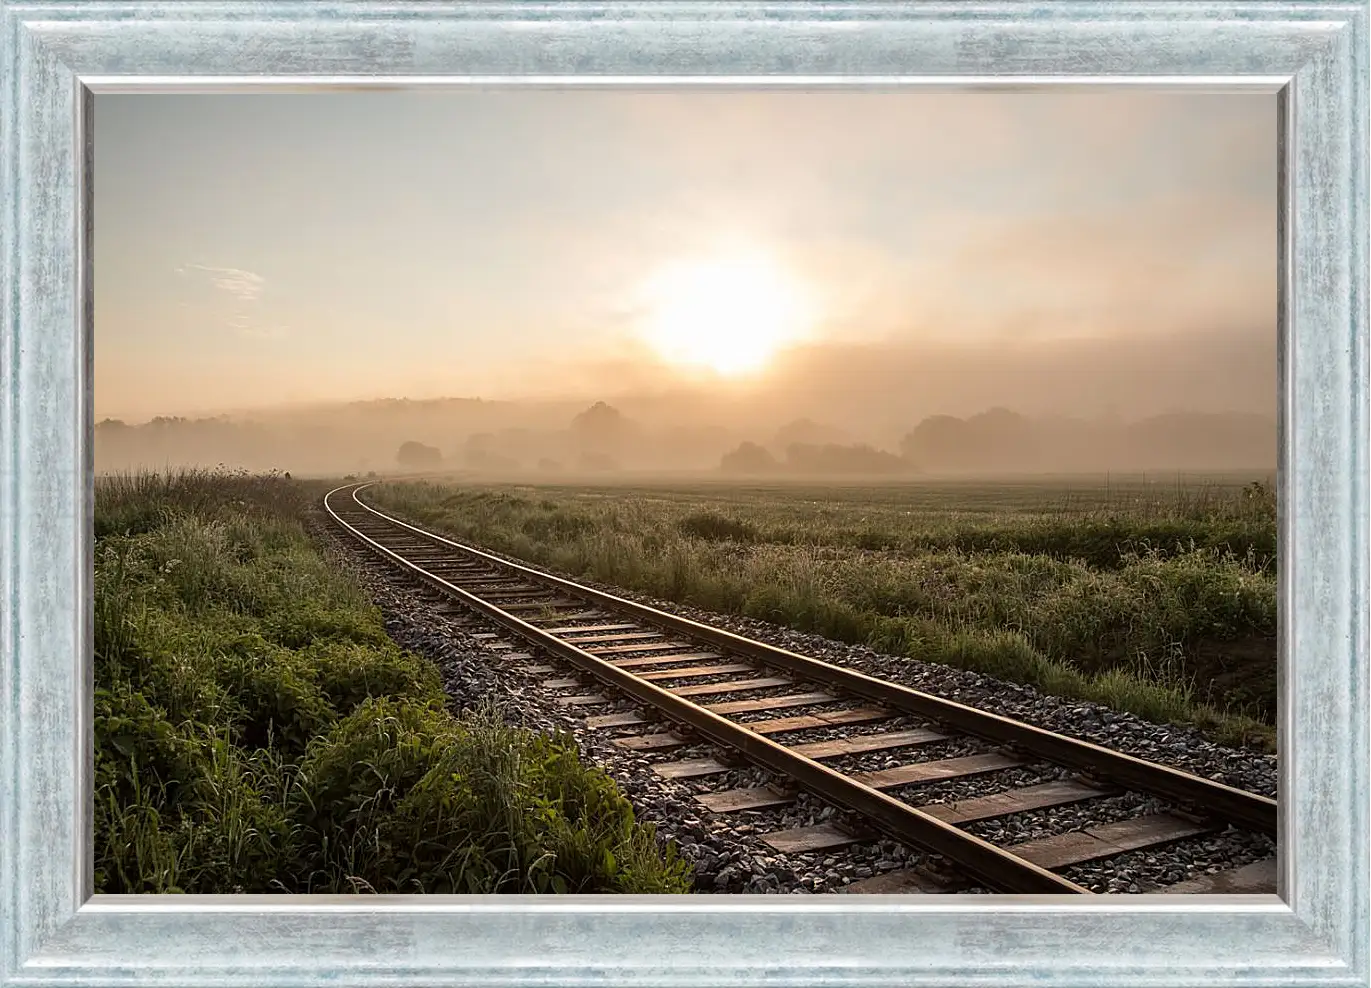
(1159, 600)
(257, 731)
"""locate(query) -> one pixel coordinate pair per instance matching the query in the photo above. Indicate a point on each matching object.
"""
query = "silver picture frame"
(57, 55)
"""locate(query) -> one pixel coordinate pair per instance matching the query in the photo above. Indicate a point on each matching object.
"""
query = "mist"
(1190, 402)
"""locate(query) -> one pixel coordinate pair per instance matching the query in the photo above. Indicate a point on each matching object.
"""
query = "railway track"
(764, 706)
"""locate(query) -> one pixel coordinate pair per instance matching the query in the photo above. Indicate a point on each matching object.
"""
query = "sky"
(259, 249)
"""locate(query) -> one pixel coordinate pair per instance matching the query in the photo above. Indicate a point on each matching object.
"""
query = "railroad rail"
(670, 666)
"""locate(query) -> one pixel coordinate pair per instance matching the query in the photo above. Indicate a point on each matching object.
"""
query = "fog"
(1192, 402)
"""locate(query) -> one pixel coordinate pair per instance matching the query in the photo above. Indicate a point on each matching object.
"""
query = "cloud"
(239, 283)
(239, 313)
(246, 325)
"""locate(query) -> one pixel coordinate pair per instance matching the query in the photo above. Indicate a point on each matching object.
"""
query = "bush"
(402, 792)
(349, 673)
(281, 704)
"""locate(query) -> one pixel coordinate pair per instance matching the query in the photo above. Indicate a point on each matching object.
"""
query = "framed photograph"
(684, 493)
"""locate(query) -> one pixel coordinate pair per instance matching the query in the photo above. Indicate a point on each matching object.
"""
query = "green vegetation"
(257, 731)
(1154, 599)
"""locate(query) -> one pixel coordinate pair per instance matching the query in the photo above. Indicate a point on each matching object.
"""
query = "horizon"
(585, 403)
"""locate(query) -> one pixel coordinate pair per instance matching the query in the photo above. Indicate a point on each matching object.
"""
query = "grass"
(1156, 599)
(257, 731)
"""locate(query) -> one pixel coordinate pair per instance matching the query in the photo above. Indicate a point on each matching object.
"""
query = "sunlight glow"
(729, 314)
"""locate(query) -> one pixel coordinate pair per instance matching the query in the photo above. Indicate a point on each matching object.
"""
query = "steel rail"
(996, 868)
(1228, 803)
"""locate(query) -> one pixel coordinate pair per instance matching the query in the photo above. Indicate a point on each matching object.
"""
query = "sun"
(728, 314)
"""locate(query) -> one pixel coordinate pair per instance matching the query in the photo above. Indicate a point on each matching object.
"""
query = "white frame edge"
(54, 56)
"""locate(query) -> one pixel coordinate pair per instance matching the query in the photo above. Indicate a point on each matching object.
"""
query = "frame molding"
(55, 56)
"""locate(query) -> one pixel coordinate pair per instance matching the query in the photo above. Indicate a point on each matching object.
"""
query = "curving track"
(764, 705)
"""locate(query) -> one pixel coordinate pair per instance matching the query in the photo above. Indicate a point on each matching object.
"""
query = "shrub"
(401, 792)
(349, 673)
(715, 527)
(281, 704)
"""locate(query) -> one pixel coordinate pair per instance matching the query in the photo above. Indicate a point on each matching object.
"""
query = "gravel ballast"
(728, 850)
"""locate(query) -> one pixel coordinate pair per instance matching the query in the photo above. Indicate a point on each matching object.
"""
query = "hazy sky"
(257, 249)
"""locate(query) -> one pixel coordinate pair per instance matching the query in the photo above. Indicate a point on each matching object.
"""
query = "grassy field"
(257, 731)
(1154, 598)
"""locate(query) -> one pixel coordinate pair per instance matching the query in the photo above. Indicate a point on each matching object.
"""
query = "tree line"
(1005, 441)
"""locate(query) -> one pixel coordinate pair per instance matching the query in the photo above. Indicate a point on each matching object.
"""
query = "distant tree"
(600, 427)
(937, 441)
(997, 439)
(598, 416)
(1001, 438)
(806, 432)
(834, 459)
(748, 458)
(417, 456)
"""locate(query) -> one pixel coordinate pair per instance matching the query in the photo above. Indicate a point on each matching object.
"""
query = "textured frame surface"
(1311, 56)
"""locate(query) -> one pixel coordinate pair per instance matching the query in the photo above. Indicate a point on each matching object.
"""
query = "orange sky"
(258, 249)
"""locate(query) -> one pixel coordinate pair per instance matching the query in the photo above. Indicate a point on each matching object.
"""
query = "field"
(257, 731)
(1156, 598)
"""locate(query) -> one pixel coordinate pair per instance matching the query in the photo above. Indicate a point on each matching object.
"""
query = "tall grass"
(257, 731)
(1158, 601)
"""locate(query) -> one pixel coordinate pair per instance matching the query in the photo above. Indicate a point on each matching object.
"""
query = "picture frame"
(56, 56)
